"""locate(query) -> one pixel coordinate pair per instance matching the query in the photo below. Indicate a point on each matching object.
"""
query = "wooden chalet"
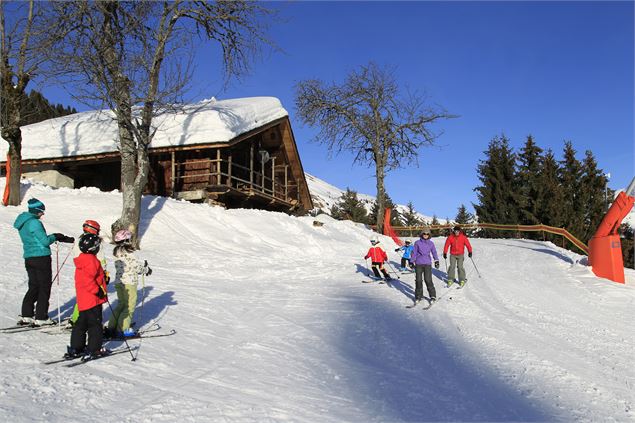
(249, 160)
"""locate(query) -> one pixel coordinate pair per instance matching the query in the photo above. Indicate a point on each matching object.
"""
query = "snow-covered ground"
(273, 324)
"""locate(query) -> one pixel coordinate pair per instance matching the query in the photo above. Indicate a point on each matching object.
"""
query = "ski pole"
(57, 266)
(113, 313)
(479, 273)
(62, 266)
(393, 270)
(143, 298)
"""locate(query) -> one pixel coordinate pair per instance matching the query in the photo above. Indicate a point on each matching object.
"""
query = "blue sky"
(555, 70)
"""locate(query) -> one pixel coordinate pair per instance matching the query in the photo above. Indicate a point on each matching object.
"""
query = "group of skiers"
(91, 280)
(420, 257)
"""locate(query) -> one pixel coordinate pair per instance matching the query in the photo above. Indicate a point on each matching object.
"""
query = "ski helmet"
(35, 206)
(123, 235)
(89, 243)
(457, 228)
(407, 242)
(374, 240)
(91, 227)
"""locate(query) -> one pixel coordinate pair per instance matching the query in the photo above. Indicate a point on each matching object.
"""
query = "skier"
(89, 227)
(377, 257)
(127, 267)
(456, 243)
(90, 287)
(423, 249)
(37, 261)
(405, 258)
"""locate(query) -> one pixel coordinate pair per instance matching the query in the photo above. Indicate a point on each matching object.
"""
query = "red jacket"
(377, 255)
(457, 244)
(89, 279)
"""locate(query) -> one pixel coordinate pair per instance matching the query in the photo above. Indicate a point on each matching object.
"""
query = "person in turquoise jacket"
(37, 261)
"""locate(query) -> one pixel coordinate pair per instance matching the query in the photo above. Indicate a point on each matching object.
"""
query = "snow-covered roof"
(95, 132)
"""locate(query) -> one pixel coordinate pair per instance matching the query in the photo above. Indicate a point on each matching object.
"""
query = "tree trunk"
(11, 195)
(381, 196)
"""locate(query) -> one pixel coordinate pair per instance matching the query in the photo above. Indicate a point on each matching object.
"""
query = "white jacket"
(128, 268)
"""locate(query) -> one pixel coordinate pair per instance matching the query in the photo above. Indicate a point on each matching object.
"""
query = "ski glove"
(107, 277)
(445, 256)
(148, 271)
(469, 254)
(436, 264)
(63, 238)
(101, 293)
(397, 249)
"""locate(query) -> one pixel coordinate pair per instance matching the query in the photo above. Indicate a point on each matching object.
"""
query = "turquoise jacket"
(34, 239)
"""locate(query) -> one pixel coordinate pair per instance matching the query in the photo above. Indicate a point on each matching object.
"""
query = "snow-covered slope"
(273, 324)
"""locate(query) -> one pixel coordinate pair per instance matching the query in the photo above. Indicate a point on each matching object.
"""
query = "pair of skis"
(24, 328)
(76, 361)
(381, 281)
(430, 304)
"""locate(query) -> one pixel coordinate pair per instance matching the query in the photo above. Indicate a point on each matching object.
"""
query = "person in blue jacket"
(422, 254)
(405, 257)
(37, 261)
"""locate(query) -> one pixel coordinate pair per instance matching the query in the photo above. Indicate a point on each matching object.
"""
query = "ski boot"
(462, 283)
(72, 353)
(450, 283)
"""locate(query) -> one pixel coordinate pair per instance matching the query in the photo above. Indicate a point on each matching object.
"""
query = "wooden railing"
(221, 172)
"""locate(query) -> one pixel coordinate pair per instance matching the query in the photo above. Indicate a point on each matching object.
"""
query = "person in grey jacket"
(422, 254)
(37, 261)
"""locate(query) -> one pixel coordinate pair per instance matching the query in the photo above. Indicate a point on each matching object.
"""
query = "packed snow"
(274, 324)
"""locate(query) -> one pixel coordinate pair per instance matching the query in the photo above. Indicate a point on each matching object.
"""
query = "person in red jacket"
(90, 285)
(456, 243)
(377, 257)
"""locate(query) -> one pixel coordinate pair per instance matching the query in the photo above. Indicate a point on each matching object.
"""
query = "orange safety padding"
(605, 257)
(613, 218)
(7, 189)
(388, 230)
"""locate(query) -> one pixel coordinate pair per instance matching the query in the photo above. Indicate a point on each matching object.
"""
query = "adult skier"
(377, 257)
(37, 261)
(456, 243)
(91, 291)
(422, 254)
(405, 257)
(128, 268)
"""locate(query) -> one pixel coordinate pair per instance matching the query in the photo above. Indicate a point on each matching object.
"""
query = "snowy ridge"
(274, 325)
(325, 196)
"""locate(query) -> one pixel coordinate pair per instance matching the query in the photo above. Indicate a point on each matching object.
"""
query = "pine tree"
(435, 221)
(592, 195)
(498, 195)
(549, 209)
(463, 217)
(395, 217)
(410, 217)
(528, 175)
(349, 207)
(627, 245)
(570, 176)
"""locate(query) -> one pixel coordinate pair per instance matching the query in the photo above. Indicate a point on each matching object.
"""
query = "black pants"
(405, 262)
(426, 269)
(39, 271)
(377, 266)
(89, 322)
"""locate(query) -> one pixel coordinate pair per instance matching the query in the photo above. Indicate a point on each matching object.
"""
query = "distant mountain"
(325, 195)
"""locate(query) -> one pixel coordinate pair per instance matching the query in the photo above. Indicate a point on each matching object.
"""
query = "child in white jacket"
(128, 268)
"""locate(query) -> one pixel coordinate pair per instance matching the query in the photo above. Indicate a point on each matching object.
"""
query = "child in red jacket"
(378, 257)
(90, 284)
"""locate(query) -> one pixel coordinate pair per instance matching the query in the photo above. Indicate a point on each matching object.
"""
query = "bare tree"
(23, 38)
(366, 116)
(135, 59)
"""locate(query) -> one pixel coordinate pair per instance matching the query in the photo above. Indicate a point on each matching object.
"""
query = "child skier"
(90, 286)
(424, 248)
(89, 227)
(127, 267)
(405, 258)
(377, 257)
(456, 243)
